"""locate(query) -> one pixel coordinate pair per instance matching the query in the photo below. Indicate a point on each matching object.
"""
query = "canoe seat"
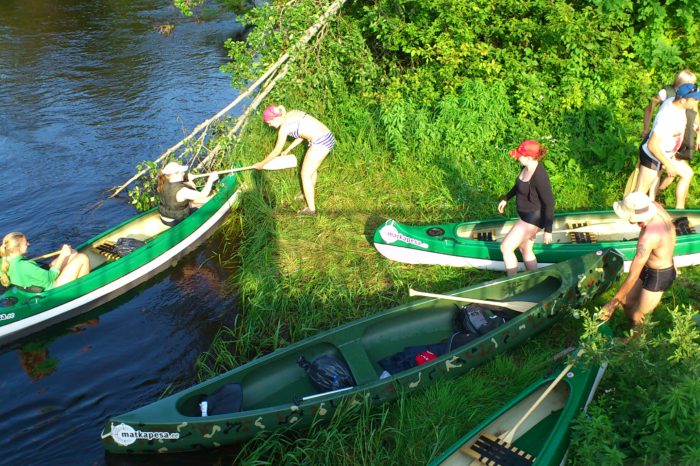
(484, 235)
(493, 451)
(573, 226)
(582, 237)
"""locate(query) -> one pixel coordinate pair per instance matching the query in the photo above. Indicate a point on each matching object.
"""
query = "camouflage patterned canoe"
(274, 392)
(112, 271)
(477, 243)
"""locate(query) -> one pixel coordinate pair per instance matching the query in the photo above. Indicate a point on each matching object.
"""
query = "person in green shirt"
(23, 273)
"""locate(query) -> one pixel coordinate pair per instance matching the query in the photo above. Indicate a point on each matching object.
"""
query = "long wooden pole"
(310, 32)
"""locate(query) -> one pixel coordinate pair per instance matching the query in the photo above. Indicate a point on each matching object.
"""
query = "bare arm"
(281, 139)
(194, 195)
(294, 143)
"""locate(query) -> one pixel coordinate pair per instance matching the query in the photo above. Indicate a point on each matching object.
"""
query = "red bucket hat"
(529, 148)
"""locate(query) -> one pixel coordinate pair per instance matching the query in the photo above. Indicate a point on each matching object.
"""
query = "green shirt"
(26, 273)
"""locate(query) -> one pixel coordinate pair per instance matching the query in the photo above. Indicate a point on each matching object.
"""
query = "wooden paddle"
(278, 163)
(518, 306)
(508, 436)
(632, 180)
(46, 256)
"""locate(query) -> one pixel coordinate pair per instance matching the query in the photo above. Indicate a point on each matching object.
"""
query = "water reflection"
(87, 90)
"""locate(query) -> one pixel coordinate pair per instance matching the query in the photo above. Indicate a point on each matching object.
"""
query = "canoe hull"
(277, 394)
(34, 312)
(546, 432)
(477, 243)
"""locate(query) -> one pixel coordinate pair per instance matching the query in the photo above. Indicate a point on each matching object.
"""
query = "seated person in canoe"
(26, 274)
(301, 126)
(535, 204)
(652, 270)
(179, 197)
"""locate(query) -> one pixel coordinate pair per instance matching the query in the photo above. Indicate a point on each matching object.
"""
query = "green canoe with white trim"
(22, 312)
(477, 243)
(273, 392)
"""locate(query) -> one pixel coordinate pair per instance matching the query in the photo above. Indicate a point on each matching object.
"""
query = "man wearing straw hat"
(652, 271)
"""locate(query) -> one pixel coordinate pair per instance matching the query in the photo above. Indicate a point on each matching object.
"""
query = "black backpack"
(478, 319)
(327, 373)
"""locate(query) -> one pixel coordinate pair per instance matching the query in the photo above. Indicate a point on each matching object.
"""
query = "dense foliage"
(425, 97)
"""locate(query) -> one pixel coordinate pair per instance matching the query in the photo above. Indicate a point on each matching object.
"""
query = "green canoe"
(22, 313)
(512, 437)
(477, 243)
(274, 392)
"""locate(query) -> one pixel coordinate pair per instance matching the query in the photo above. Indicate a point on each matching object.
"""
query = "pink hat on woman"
(270, 113)
(529, 148)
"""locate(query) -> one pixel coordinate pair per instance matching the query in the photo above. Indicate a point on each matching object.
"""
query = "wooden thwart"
(490, 450)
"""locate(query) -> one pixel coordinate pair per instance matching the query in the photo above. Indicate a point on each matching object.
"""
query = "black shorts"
(646, 161)
(657, 279)
(533, 218)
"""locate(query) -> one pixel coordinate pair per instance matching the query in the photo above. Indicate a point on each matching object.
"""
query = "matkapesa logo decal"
(9, 316)
(126, 435)
(390, 234)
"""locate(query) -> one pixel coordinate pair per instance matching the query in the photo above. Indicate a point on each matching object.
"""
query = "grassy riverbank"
(297, 276)
(425, 99)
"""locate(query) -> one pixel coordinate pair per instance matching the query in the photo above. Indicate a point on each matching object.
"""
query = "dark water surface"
(88, 88)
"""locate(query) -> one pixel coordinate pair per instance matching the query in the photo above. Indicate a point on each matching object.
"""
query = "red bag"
(424, 357)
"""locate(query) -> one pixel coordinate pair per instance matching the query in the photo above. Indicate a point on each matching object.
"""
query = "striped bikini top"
(295, 133)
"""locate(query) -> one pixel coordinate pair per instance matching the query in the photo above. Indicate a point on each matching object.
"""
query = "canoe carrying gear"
(227, 399)
(683, 226)
(424, 357)
(125, 246)
(327, 373)
(121, 248)
(8, 301)
(478, 319)
(408, 358)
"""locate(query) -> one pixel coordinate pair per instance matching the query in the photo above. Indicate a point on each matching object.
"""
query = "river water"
(89, 88)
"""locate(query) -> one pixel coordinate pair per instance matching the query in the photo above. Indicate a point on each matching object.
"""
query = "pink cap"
(270, 113)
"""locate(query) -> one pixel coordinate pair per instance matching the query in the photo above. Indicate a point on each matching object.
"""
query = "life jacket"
(168, 205)
(687, 149)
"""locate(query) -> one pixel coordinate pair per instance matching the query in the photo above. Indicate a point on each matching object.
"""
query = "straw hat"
(635, 208)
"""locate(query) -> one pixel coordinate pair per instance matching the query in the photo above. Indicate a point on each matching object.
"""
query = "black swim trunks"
(647, 161)
(657, 279)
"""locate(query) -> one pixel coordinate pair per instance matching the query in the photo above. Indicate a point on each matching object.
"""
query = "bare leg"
(521, 234)
(645, 181)
(78, 265)
(686, 176)
(646, 303)
(312, 160)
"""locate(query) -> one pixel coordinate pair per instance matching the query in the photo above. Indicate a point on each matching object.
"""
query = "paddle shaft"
(46, 256)
(519, 306)
(221, 172)
(281, 162)
(508, 437)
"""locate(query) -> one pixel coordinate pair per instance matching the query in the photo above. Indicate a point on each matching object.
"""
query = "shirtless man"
(652, 271)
